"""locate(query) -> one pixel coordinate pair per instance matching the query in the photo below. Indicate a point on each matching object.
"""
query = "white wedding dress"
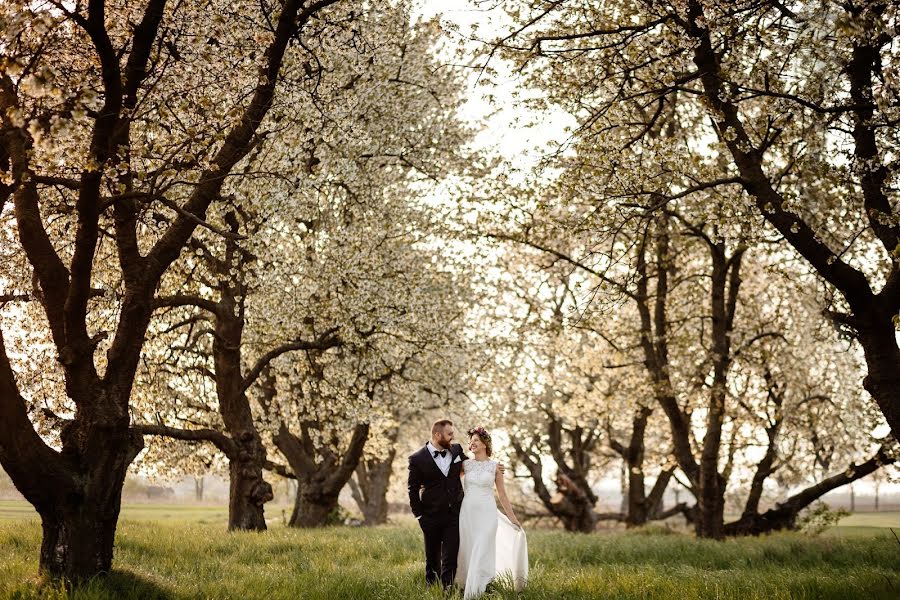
(489, 544)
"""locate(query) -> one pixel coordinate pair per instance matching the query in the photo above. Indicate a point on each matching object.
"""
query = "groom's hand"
(501, 468)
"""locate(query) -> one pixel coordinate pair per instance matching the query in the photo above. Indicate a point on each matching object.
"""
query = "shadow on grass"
(117, 585)
(128, 585)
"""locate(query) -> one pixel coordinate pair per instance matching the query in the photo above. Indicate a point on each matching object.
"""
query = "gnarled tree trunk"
(314, 505)
(248, 491)
(370, 487)
(574, 505)
(79, 527)
(321, 472)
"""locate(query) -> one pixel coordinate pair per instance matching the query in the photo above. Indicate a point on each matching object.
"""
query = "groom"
(434, 473)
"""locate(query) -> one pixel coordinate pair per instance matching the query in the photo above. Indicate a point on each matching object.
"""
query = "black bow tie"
(441, 452)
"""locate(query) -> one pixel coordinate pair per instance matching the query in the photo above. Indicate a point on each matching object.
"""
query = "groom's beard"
(443, 443)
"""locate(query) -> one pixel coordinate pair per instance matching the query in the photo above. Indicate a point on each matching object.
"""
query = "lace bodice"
(479, 477)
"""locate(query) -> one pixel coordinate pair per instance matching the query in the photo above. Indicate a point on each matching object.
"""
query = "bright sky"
(506, 119)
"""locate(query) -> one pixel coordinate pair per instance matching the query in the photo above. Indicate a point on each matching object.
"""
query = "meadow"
(165, 551)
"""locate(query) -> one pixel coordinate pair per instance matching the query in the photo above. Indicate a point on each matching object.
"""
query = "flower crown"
(481, 431)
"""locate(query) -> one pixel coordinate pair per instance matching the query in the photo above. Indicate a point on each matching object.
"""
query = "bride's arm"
(504, 501)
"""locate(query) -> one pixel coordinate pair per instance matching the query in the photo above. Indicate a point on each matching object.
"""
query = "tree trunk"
(724, 288)
(198, 488)
(637, 513)
(79, 527)
(78, 541)
(373, 477)
(248, 492)
(319, 483)
(582, 521)
(711, 512)
(574, 506)
(878, 338)
(312, 506)
(638, 507)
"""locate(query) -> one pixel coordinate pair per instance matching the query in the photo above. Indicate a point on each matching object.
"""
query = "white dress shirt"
(443, 462)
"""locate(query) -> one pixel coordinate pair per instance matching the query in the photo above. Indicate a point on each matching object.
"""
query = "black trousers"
(441, 546)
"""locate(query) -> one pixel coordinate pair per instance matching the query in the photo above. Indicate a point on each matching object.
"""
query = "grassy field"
(183, 552)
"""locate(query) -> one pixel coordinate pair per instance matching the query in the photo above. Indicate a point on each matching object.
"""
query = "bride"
(490, 544)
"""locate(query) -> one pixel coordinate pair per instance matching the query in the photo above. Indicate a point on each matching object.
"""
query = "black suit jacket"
(430, 493)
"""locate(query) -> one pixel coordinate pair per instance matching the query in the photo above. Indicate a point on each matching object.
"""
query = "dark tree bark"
(373, 478)
(636, 509)
(724, 286)
(708, 484)
(248, 491)
(313, 508)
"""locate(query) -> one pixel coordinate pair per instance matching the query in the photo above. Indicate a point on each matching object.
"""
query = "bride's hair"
(484, 436)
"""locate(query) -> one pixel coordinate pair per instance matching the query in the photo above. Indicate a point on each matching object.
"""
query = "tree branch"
(619, 286)
(327, 340)
(351, 456)
(217, 438)
(864, 63)
(21, 448)
(177, 300)
(279, 470)
(852, 283)
(237, 142)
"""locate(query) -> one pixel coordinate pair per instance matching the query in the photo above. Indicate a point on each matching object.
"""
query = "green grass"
(173, 554)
